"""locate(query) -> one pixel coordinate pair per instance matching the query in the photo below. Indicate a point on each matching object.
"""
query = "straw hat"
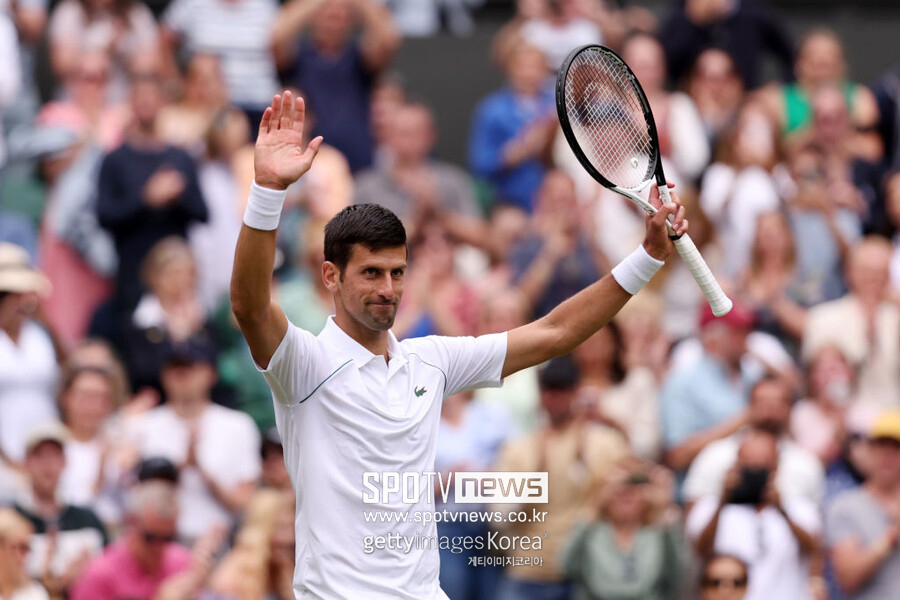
(16, 272)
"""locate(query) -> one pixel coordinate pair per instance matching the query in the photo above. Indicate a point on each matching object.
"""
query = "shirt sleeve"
(294, 366)
(840, 522)
(805, 513)
(700, 516)
(467, 362)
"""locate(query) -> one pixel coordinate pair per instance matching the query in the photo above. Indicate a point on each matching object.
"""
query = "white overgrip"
(718, 301)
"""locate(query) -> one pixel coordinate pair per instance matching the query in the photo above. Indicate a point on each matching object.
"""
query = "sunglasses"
(716, 582)
(155, 538)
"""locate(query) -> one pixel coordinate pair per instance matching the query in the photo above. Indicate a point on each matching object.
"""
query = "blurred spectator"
(578, 455)
(146, 563)
(723, 577)
(818, 420)
(820, 62)
(216, 448)
(239, 33)
(66, 537)
(887, 97)
(623, 398)
(94, 464)
(706, 401)
(28, 360)
(748, 32)
(86, 108)
(274, 472)
(335, 68)
(862, 323)
(826, 219)
(124, 29)
(186, 123)
(470, 436)
(147, 190)
(892, 207)
(15, 544)
(682, 138)
(212, 243)
(422, 18)
(170, 312)
(307, 302)
(771, 284)
(741, 184)
(261, 563)
(504, 309)
(799, 472)
(438, 300)
(388, 95)
(863, 525)
(557, 26)
(414, 186)
(11, 76)
(634, 550)
(513, 128)
(775, 536)
(716, 88)
(557, 258)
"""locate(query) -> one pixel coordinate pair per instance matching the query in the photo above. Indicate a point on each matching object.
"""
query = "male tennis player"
(353, 399)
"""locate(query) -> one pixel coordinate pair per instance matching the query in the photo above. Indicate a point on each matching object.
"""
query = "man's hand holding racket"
(657, 241)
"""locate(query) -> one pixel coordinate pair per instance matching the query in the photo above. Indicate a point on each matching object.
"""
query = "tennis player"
(354, 399)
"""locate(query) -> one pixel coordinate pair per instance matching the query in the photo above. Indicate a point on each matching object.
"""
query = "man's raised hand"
(280, 158)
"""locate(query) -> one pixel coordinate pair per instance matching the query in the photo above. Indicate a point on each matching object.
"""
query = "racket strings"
(607, 118)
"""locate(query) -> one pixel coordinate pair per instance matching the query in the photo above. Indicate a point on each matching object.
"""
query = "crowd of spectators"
(754, 456)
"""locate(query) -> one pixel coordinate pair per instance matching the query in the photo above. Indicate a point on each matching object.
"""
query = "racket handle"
(718, 301)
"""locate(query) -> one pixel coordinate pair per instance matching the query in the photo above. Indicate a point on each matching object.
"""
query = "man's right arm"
(279, 160)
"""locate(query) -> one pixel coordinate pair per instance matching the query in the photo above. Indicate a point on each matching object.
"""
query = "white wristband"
(264, 208)
(636, 270)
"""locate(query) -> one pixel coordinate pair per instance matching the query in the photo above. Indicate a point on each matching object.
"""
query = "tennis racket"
(607, 121)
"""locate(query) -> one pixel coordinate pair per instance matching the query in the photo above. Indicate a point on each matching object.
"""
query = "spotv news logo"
(470, 487)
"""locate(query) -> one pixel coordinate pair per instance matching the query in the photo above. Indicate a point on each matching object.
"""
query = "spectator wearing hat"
(215, 448)
(800, 473)
(66, 536)
(578, 454)
(750, 519)
(146, 563)
(863, 324)
(28, 360)
(863, 524)
(707, 400)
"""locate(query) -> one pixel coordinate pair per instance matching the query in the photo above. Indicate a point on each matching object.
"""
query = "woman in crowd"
(634, 551)
(624, 398)
(15, 541)
(185, 123)
(717, 90)
(723, 578)
(260, 566)
(122, 28)
(170, 312)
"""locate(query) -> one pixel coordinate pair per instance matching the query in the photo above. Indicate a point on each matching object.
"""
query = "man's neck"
(375, 341)
(45, 505)
(887, 492)
(143, 137)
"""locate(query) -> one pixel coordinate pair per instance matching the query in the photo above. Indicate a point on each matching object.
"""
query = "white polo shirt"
(343, 411)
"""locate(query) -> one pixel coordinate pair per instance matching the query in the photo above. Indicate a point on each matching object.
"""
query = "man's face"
(885, 460)
(558, 403)
(191, 381)
(869, 270)
(770, 407)
(151, 534)
(370, 287)
(88, 401)
(412, 134)
(45, 464)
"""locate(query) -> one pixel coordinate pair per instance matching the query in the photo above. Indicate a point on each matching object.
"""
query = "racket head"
(606, 119)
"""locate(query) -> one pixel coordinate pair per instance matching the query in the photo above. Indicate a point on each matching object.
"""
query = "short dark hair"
(560, 374)
(370, 225)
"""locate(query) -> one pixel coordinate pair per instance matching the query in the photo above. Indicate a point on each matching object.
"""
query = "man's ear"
(331, 275)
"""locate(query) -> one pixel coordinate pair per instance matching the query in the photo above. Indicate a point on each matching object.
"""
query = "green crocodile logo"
(420, 391)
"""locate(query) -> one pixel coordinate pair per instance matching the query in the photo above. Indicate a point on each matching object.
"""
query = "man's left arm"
(582, 315)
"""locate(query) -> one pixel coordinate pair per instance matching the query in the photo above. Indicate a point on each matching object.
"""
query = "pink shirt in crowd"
(116, 575)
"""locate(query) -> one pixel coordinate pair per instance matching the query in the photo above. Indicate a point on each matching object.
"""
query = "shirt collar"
(339, 339)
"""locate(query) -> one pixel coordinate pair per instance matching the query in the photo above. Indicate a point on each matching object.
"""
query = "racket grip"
(718, 301)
